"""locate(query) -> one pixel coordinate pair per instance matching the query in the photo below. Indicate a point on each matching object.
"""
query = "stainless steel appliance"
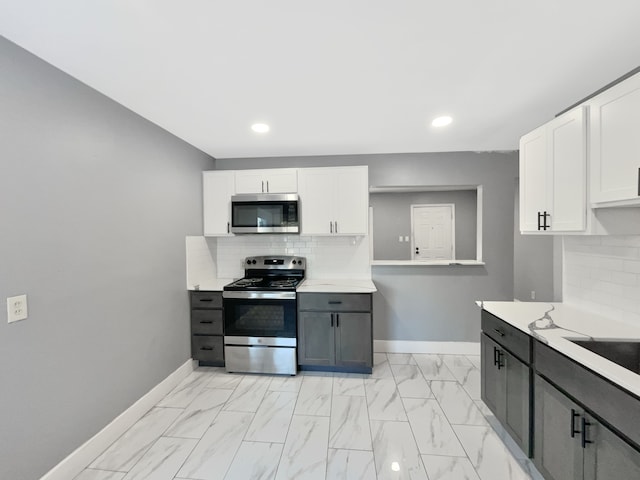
(265, 213)
(260, 320)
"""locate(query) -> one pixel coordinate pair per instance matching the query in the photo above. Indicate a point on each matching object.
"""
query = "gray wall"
(392, 218)
(533, 264)
(95, 204)
(426, 302)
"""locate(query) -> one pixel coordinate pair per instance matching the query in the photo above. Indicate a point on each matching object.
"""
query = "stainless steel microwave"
(265, 213)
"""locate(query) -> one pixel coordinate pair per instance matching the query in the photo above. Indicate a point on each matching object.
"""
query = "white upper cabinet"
(615, 144)
(553, 176)
(334, 200)
(217, 189)
(276, 180)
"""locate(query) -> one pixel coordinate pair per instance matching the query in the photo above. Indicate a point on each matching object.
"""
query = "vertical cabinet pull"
(639, 182)
(267, 186)
(337, 320)
(228, 230)
(336, 226)
(332, 319)
(331, 227)
(542, 220)
(585, 424)
(574, 414)
(500, 359)
(262, 186)
(539, 223)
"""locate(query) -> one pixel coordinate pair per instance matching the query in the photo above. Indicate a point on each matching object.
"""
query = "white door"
(433, 232)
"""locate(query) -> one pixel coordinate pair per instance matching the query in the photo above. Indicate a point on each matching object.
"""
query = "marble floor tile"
(395, 452)
(186, 391)
(456, 403)
(381, 366)
(488, 454)
(315, 396)
(273, 417)
(401, 359)
(304, 456)
(91, 474)
(248, 394)
(433, 367)
(225, 381)
(449, 468)
(285, 383)
(411, 383)
(465, 373)
(349, 426)
(194, 421)
(475, 360)
(214, 453)
(125, 452)
(255, 461)
(348, 385)
(350, 465)
(432, 431)
(383, 400)
(163, 460)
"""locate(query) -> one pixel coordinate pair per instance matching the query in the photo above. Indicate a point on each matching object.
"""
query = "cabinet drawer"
(514, 340)
(207, 348)
(206, 322)
(206, 300)
(335, 302)
(618, 407)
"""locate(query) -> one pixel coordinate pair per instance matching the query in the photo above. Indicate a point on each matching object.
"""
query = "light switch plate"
(17, 308)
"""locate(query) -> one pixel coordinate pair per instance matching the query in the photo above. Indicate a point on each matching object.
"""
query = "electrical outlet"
(406, 238)
(17, 308)
(533, 294)
(400, 238)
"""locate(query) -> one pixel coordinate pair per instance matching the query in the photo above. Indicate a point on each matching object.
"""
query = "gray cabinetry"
(207, 328)
(571, 444)
(335, 332)
(506, 377)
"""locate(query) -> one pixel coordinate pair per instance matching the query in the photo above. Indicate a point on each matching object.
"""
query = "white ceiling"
(335, 76)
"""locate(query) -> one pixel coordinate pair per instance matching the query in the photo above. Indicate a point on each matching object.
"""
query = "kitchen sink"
(625, 353)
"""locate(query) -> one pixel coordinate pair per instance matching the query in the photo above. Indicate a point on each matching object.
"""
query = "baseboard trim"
(411, 346)
(82, 456)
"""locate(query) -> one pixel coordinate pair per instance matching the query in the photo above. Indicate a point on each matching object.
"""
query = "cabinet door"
(608, 457)
(492, 387)
(615, 143)
(217, 188)
(250, 181)
(533, 178)
(317, 196)
(517, 400)
(353, 339)
(556, 454)
(282, 180)
(316, 338)
(352, 201)
(567, 202)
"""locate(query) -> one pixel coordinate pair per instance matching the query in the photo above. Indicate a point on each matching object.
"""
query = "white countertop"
(556, 323)
(212, 285)
(344, 285)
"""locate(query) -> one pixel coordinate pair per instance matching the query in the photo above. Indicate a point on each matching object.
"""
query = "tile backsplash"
(327, 257)
(602, 274)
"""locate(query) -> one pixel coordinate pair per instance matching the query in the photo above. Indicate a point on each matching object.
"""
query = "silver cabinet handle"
(262, 186)
(336, 227)
(267, 186)
(228, 230)
(330, 227)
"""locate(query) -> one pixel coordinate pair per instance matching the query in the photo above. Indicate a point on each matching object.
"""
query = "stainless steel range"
(260, 316)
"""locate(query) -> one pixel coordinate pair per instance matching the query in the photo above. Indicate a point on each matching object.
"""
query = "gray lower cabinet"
(207, 328)
(506, 390)
(571, 444)
(331, 335)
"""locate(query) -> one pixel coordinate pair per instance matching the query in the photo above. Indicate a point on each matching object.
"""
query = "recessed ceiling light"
(260, 127)
(441, 121)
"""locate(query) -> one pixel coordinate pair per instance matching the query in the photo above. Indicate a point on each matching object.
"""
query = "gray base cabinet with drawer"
(576, 412)
(506, 377)
(207, 328)
(335, 332)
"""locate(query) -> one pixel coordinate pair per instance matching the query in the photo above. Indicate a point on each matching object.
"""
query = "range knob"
(294, 262)
(253, 261)
(248, 262)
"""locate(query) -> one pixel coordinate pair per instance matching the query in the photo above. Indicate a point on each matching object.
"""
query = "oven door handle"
(259, 295)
